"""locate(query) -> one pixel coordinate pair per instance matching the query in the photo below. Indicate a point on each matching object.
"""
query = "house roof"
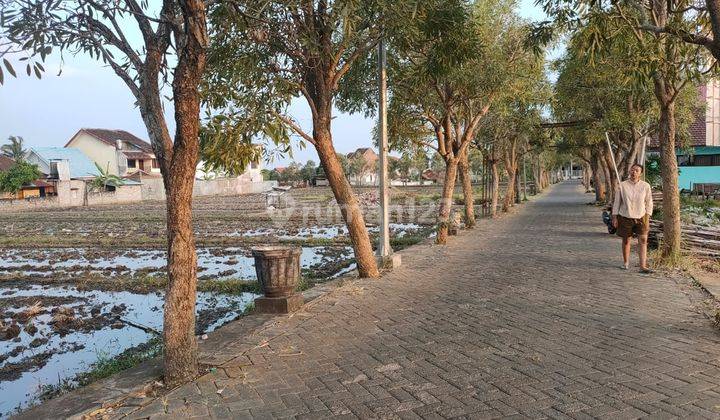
(110, 137)
(38, 183)
(137, 155)
(361, 152)
(692, 150)
(705, 150)
(6, 163)
(430, 175)
(140, 174)
(80, 165)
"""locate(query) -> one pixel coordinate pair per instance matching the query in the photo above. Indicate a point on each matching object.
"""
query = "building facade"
(699, 161)
(116, 151)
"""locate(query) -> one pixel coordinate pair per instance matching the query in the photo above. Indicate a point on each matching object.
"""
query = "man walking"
(631, 211)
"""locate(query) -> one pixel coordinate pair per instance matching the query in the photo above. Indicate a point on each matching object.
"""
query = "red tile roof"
(41, 183)
(111, 136)
(6, 163)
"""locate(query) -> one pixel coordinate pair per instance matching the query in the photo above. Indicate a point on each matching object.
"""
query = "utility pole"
(384, 250)
(524, 177)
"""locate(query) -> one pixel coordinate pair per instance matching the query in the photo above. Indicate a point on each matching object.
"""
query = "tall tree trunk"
(511, 170)
(610, 178)
(586, 177)
(598, 180)
(180, 349)
(451, 167)
(509, 198)
(179, 312)
(664, 83)
(539, 175)
(348, 203)
(468, 193)
(669, 174)
(495, 186)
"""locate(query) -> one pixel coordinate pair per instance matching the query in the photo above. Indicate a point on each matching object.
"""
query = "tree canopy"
(21, 173)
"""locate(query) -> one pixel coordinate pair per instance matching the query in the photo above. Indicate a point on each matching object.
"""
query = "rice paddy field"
(81, 286)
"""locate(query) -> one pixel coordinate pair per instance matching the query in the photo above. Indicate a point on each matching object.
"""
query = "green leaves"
(22, 173)
(14, 149)
(9, 67)
(226, 143)
(105, 179)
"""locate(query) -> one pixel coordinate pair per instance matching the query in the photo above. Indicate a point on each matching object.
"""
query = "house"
(432, 176)
(699, 163)
(46, 158)
(368, 173)
(117, 151)
(6, 163)
(37, 188)
(252, 172)
(699, 169)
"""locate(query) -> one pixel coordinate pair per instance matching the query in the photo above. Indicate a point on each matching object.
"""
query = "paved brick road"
(527, 316)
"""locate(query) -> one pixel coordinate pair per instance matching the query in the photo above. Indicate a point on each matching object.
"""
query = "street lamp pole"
(384, 249)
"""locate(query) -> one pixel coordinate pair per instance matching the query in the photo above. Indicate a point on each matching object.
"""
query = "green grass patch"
(406, 241)
(104, 367)
(229, 286)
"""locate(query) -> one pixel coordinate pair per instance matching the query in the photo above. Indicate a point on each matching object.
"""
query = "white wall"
(99, 152)
(72, 194)
(33, 158)
(153, 188)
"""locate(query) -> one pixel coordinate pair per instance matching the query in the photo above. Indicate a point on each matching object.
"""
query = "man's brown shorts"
(627, 227)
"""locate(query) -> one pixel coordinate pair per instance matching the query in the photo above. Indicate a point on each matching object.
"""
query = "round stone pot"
(278, 269)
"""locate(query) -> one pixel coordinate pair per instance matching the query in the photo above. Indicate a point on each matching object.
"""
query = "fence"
(74, 193)
(153, 188)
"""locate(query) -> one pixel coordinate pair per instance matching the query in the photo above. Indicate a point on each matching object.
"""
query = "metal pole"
(524, 178)
(486, 182)
(384, 249)
(612, 156)
(642, 156)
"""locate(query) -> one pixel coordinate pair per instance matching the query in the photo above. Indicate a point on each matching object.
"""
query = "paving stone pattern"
(528, 316)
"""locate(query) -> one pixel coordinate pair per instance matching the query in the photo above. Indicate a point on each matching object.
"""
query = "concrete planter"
(278, 272)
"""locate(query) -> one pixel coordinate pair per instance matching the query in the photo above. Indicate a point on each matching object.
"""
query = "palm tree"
(14, 149)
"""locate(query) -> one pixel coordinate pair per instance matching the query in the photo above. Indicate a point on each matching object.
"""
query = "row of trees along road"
(610, 100)
(667, 45)
(245, 61)
(447, 70)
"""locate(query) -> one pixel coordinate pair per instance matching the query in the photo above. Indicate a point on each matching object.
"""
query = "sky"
(87, 94)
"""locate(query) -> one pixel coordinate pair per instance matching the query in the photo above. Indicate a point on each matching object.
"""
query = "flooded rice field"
(81, 287)
(213, 263)
(51, 334)
(398, 230)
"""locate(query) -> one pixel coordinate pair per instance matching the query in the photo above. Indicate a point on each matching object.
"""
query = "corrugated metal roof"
(707, 150)
(80, 165)
(701, 150)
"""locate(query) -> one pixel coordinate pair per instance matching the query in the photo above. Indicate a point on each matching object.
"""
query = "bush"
(20, 174)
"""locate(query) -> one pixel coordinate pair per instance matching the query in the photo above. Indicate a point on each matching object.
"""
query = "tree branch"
(696, 39)
(295, 127)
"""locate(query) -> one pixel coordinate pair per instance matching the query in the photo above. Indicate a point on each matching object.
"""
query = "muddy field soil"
(50, 334)
(216, 220)
(69, 265)
(84, 285)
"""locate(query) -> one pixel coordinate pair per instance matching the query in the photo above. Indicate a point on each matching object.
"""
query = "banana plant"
(105, 179)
